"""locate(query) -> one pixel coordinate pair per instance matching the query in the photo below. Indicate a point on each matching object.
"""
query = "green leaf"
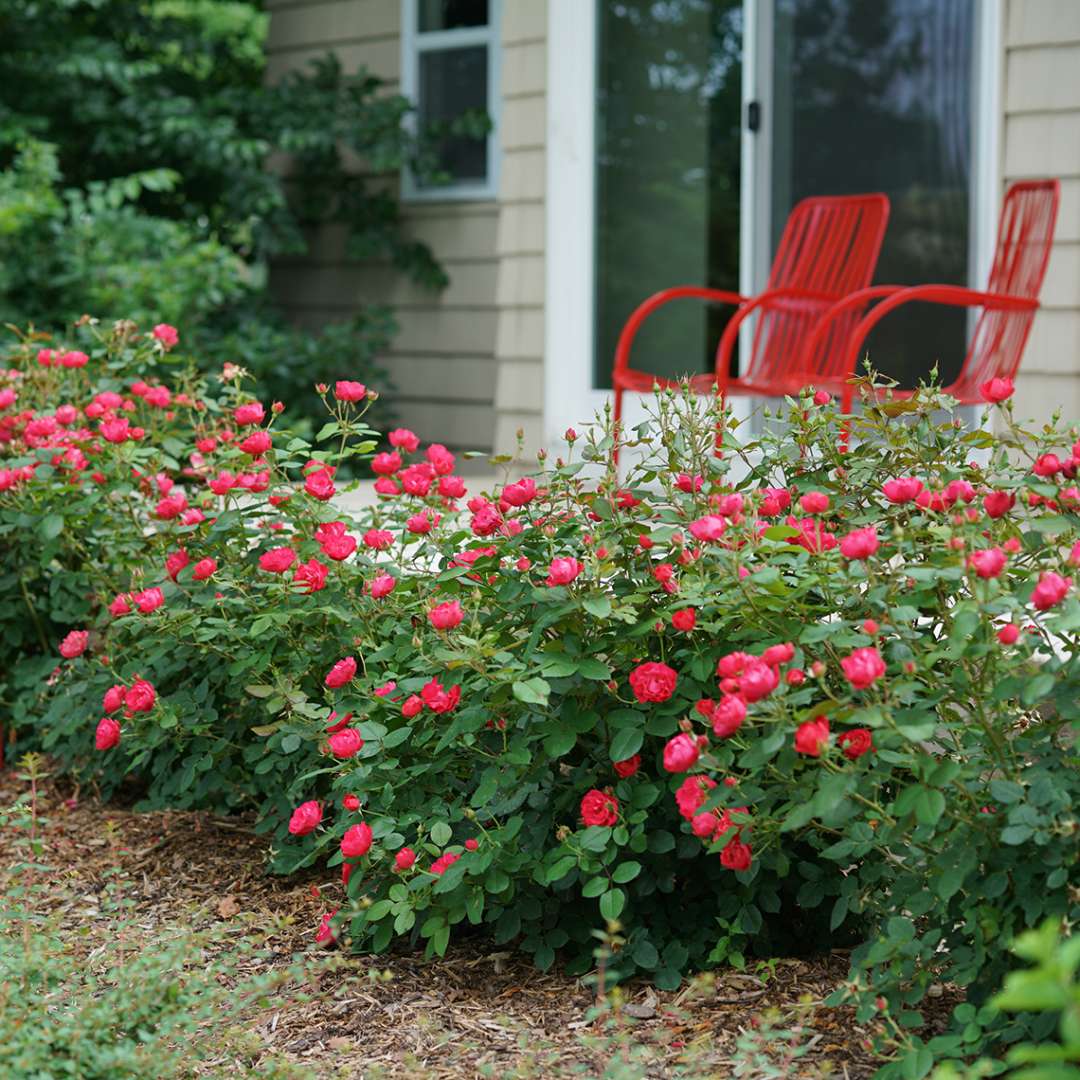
(51, 525)
(1006, 791)
(597, 605)
(441, 833)
(290, 743)
(1036, 689)
(929, 806)
(612, 904)
(626, 871)
(560, 742)
(625, 743)
(532, 691)
(781, 532)
(589, 668)
(561, 868)
(644, 954)
(594, 887)
(1016, 834)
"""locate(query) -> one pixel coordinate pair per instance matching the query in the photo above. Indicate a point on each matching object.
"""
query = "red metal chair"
(1009, 303)
(829, 248)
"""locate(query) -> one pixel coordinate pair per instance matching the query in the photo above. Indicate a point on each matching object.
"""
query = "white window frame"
(413, 43)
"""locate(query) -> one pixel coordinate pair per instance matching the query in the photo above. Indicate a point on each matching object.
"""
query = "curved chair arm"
(731, 331)
(647, 307)
(951, 295)
(859, 298)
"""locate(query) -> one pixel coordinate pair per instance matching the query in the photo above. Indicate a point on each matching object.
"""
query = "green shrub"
(879, 678)
(152, 177)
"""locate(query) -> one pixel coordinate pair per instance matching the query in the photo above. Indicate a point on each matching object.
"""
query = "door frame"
(570, 215)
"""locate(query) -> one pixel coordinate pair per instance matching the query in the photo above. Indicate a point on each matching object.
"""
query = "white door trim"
(570, 226)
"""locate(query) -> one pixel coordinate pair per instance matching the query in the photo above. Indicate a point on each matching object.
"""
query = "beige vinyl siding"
(519, 296)
(442, 362)
(1041, 138)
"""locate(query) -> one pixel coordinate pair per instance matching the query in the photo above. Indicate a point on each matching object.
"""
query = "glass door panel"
(669, 92)
(876, 95)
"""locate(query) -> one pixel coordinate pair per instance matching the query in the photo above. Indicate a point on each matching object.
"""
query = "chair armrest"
(762, 300)
(858, 299)
(950, 295)
(647, 307)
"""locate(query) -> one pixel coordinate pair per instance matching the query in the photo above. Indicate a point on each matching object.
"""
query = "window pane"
(451, 14)
(668, 153)
(454, 82)
(877, 97)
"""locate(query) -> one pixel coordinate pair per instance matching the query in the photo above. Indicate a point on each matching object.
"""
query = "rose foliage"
(816, 689)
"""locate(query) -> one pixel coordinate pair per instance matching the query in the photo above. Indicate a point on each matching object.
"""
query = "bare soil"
(478, 1012)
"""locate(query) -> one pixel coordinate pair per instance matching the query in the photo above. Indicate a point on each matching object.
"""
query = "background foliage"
(146, 172)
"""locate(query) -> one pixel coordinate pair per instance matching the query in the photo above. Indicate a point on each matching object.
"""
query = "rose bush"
(816, 688)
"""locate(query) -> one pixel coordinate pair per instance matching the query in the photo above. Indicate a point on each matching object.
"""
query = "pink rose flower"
(863, 667)
(305, 818)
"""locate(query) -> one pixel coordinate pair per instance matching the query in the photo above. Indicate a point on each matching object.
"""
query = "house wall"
(444, 359)
(1040, 138)
(519, 295)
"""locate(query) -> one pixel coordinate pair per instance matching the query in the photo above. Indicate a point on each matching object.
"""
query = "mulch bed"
(477, 1012)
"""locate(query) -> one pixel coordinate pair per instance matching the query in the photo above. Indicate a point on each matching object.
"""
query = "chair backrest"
(1025, 234)
(829, 248)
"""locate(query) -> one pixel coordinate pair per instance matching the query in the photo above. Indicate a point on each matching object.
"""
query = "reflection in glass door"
(668, 128)
(876, 95)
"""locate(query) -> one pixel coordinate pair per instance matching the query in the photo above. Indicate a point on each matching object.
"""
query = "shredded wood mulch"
(478, 1012)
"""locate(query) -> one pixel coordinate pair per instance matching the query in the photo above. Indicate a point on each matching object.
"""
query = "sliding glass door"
(840, 96)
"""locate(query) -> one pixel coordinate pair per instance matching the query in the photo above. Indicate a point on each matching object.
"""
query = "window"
(449, 70)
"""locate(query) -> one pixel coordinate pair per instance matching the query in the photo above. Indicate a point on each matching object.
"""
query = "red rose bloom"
(320, 484)
(628, 766)
(863, 667)
(444, 862)
(599, 808)
(653, 682)
(728, 716)
(139, 697)
(74, 644)
(404, 859)
(107, 734)
(995, 391)
(346, 743)
(446, 616)
(305, 818)
(341, 673)
(346, 390)
(356, 841)
(736, 855)
(1050, 591)
(114, 698)
(812, 737)
(684, 620)
(859, 544)
(277, 560)
(692, 794)
(681, 753)
(856, 742)
(563, 571)
(311, 576)
(204, 568)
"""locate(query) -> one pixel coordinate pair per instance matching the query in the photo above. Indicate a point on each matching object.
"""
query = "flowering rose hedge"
(819, 688)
